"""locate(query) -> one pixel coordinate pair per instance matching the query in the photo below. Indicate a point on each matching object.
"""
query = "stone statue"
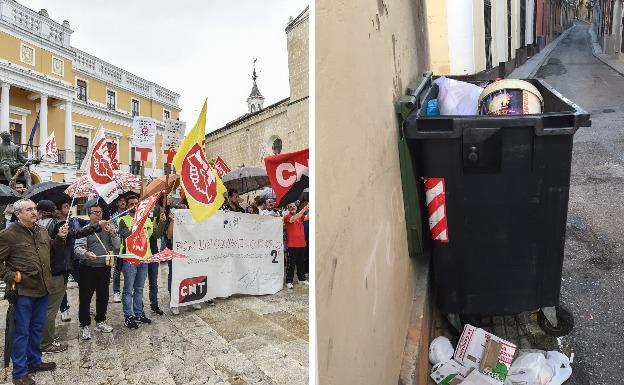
(12, 162)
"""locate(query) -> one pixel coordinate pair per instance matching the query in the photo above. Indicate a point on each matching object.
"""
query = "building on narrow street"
(69, 92)
(608, 25)
(488, 39)
(279, 127)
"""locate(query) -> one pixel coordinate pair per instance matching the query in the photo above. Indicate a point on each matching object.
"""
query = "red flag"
(165, 255)
(221, 167)
(288, 174)
(112, 152)
(137, 242)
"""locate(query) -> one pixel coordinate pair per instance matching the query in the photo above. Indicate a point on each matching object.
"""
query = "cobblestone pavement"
(260, 340)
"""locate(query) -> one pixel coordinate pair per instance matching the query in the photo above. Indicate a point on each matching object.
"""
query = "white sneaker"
(65, 317)
(289, 285)
(196, 306)
(117, 297)
(175, 311)
(304, 283)
(85, 333)
(103, 327)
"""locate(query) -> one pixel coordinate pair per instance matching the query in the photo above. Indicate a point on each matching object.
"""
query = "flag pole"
(70, 207)
(142, 177)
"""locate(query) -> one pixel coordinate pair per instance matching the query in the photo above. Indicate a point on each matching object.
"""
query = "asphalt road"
(593, 268)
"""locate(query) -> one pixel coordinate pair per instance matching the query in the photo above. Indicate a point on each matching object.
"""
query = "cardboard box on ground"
(481, 358)
(476, 351)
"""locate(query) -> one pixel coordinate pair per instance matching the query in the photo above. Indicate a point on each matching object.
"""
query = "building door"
(508, 30)
(522, 23)
(487, 15)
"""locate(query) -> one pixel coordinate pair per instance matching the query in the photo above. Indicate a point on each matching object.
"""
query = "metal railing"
(30, 151)
(34, 153)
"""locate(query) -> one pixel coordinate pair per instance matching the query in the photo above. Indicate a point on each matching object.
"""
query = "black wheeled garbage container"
(496, 195)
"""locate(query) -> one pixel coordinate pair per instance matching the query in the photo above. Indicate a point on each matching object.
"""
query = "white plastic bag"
(456, 97)
(440, 350)
(560, 364)
(529, 369)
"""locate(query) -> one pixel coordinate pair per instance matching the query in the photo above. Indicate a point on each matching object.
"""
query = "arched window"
(277, 146)
(253, 108)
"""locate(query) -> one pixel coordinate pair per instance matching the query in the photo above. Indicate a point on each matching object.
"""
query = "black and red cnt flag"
(288, 174)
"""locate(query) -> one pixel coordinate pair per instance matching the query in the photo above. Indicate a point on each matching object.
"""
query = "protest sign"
(143, 132)
(229, 253)
(173, 134)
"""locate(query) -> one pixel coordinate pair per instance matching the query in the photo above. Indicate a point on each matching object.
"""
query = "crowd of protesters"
(40, 250)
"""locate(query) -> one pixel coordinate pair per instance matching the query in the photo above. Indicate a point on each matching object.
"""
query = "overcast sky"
(197, 48)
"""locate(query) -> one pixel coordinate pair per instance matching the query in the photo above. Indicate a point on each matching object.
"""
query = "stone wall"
(250, 140)
(298, 57)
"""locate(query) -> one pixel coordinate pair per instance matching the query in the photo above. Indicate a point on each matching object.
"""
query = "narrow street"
(592, 273)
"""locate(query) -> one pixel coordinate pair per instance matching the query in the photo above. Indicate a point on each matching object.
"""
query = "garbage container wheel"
(565, 322)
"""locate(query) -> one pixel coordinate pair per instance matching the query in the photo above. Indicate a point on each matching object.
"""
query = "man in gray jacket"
(95, 274)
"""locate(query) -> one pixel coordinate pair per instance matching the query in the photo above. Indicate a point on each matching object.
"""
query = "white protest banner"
(173, 134)
(229, 253)
(143, 132)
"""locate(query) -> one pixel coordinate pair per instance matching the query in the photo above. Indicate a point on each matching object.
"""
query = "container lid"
(510, 84)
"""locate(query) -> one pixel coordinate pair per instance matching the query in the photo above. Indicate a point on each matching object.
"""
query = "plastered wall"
(366, 54)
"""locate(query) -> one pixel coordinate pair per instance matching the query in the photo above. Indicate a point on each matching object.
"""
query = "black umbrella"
(246, 179)
(53, 191)
(9, 332)
(8, 195)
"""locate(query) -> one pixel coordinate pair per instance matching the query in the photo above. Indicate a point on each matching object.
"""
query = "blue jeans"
(152, 277)
(132, 297)
(30, 317)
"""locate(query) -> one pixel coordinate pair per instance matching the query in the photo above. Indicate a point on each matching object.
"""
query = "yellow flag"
(203, 188)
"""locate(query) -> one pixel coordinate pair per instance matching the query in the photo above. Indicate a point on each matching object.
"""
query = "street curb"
(551, 47)
(597, 51)
(415, 363)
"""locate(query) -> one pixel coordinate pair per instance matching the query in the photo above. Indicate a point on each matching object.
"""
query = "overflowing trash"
(501, 97)
(482, 358)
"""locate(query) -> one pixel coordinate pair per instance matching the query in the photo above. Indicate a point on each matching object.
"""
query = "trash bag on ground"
(529, 369)
(456, 97)
(440, 350)
(560, 364)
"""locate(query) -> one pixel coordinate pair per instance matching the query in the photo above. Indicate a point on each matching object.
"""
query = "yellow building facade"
(71, 93)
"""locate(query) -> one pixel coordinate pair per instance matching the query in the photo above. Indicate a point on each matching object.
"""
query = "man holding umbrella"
(25, 250)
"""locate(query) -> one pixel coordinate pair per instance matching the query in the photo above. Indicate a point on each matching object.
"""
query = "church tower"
(255, 99)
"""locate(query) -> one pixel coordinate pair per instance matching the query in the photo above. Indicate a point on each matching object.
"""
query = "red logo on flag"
(112, 153)
(101, 169)
(198, 179)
